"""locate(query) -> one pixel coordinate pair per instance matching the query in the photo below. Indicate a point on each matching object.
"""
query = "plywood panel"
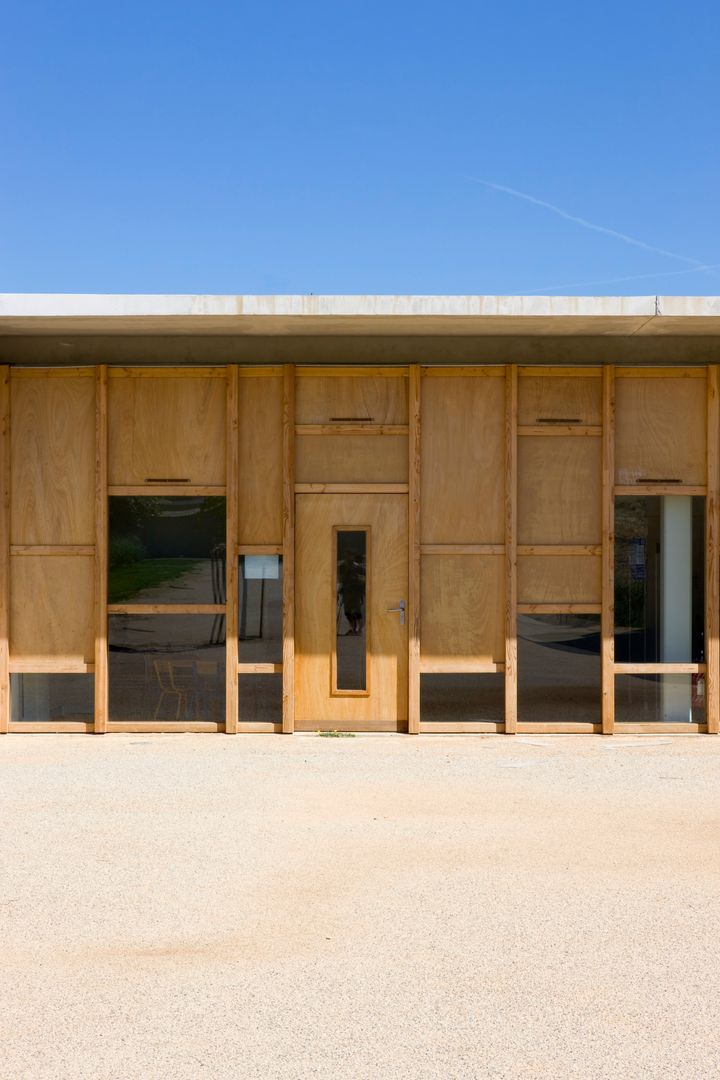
(547, 579)
(385, 705)
(379, 399)
(660, 430)
(557, 398)
(168, 428)
(351, 458)
(559, 490)
(463, 460)
(261, 460)
(53, 460)
(463, 612)
(51, 607)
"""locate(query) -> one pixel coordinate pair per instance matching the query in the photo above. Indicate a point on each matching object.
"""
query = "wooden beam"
(712, 554)
(351, 429)
(511, 487)
(101, 551)
(414, 466)
(351, 489)
(559, 609)
(462, 549)
(660, 489)
(607, 646)
(559, 549)
(166, 609)
(166, 489)
(50, 665)
(659, 669)
(4, 548)
(52, 549)
(248, 668)
(232, 481)
(259, 549)
(560, 429)
(288, 517)
(351, 372)
(458, 666)
(576, 727)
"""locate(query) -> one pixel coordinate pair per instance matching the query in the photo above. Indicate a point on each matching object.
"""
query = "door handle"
(401, 609)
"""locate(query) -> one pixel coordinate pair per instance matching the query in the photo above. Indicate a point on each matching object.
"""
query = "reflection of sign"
(258, 567)
(637, 560)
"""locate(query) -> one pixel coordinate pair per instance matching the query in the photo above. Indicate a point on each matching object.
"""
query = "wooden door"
(350, 639)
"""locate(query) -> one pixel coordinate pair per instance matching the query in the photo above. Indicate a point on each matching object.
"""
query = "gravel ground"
(189, 906)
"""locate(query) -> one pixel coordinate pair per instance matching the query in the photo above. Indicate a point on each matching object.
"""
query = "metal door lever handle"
(401, 609)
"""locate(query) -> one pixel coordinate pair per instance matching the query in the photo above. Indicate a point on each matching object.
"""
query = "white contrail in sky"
(629, 277)
(588, 224)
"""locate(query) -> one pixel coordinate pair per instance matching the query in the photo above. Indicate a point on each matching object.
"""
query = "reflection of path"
(192, 587)
(559, 678)
(267, 649)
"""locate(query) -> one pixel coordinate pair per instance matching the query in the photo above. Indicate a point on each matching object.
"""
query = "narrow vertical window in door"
(351, 549)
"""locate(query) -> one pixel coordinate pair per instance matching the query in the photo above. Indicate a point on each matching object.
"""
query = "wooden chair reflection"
(176, 679)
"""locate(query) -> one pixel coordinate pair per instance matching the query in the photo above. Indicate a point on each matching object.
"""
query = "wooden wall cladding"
(565, 579)
(260, 460)
(377, 399)
(573, 399)
(166, 426)
(52, 608)
(368, 459)
(559, 490)
(463, 608)
(462, 460)
(660, 429)
(52, 481)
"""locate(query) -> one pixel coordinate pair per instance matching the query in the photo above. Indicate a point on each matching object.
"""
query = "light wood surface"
(414, 547)
(660, 429)
(511, 541)
(351, 429)
(385, 706)
(52, 611)
(378, 399)
(52, 549)
(559, 579)
(463, 609)
(712, 554)
(559, 398)
(232, 483)
(607, 618)
(288, 539)
(462, 549)
(4, 548)
(52, 452)
(351, 489)
(100, 554)
(559, 496)
(352, 459)
(260, 463)
(169, 428)
(463, 451)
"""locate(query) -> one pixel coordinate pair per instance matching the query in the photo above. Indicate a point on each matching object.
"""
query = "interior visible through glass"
(670, 699)
(559, 670)
(462, 698)
(260, 609)
(166, 549)
(659, 579)
(260, 699)
(52, 697)
(167, 667)
(351, 609)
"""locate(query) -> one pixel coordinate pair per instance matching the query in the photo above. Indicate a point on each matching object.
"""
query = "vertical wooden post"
(101, 550)
(511, 674)
(232, 451)
(414, 396)
(4, 549)
(607, 618)
(712, 561)
(288, 512)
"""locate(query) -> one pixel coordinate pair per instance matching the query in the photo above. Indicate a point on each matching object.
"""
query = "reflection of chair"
(176, 679)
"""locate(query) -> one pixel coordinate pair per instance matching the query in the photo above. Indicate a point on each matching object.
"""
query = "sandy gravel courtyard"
(189, 906)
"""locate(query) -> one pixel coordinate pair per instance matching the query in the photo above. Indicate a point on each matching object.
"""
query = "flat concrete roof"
(52, 313)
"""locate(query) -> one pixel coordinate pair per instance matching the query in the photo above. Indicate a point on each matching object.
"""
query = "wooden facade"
(486, 493)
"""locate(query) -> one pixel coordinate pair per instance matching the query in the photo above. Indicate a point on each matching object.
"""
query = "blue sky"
(338, 148)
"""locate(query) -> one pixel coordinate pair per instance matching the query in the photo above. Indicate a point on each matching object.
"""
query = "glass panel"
(559, 673)
(659, 579)
(350, 609)
(672, 699)
(51, 697)
(166, 549)
(457, 699)
(260, 699)
(167, 667)
(260, 609)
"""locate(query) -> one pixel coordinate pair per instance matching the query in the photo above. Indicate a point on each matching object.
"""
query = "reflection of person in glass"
(351, 577)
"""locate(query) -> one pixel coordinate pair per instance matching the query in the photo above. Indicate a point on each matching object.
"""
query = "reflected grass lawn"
(125, 582)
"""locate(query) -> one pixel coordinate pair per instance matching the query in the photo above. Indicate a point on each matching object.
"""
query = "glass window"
(672, 699)
(260, 609)
(260, 698)
(167, 667)
(52, 697)
(659, 579)
(462, 698)
(166, 549)
(350, 656)
(559, 671)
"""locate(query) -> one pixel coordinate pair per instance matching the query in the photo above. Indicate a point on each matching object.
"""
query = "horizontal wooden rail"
(52, 549)
(259, 549)
(166, 609)
(559, 609)
(351, 489)
(559, 549)
(462, 549)
(351, 429)
(50, 665)
(592, 430)
(460, 667)
(659, 669)
(166, 489)
(259, 669)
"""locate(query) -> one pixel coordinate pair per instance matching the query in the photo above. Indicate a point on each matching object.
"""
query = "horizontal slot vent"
(167, 480)
(351, 419)
(657, 480)
(558, 420)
